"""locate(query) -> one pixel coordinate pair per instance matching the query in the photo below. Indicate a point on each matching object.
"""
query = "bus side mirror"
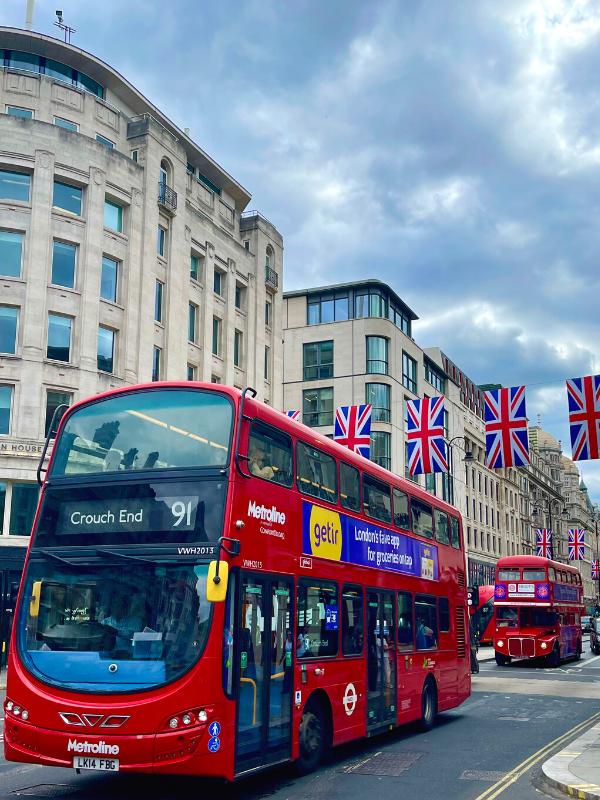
(216, 581)
(34, 602)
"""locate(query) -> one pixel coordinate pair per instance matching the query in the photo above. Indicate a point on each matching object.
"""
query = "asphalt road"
(515, 715)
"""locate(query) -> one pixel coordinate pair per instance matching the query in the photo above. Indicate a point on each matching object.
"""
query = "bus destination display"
(128, 515)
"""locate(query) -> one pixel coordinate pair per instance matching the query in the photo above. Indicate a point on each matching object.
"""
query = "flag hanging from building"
(293, 414)
(596, 568)
(584, 417)
(353, 428)
(506, 437)
(425, 436)
(543, 543)
(576, 544)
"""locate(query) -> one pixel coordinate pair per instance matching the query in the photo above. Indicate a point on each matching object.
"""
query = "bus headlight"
(544, 645)
(500, 642)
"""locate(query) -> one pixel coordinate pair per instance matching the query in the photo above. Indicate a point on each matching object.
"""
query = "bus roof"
(532, 561)
(278, 419)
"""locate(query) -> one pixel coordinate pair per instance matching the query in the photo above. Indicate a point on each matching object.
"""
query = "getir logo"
(325, 533)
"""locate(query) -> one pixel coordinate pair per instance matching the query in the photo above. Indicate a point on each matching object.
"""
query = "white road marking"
(590, 660)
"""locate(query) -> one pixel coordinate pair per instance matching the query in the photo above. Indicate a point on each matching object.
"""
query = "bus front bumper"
(524, 646)
(181, 751)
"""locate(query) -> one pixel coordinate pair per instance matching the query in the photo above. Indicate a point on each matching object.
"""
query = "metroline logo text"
(267, 514)
(92, 747)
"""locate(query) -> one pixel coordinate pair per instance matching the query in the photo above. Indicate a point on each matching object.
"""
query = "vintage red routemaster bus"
(537, 609)
(212, 588)
(482, 617)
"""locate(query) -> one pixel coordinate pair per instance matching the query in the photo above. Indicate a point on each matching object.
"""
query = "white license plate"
(93, 762)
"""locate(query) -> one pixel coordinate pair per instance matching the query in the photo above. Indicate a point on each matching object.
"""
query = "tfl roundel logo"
(325, 533)
(500, 591)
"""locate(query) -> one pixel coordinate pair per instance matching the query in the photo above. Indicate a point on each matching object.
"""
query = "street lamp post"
(562, 514)
(468, 458)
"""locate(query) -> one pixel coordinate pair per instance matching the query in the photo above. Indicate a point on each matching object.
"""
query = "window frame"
(268, 431)
(11, 401)
(430, 601)
(405, 647)
(396, 491)
(71, 320)
(306, 583)
(334, 498)
(323, 370)
(238, 348)
(74, 129)
(368, 479)
(117, 281)
(113, 333)
(22, 173)
(22, 235)
(446, 615)
(105, 142)
(410, 382)
(9, 106)
(415, 502)
(318, 390)
(369, 361)
(62, 209)
(120, 215)
(75, 248)
(159, 288)
(344, 465)
(193, 316)
(17, 310)
(352, 587)
(48, 419)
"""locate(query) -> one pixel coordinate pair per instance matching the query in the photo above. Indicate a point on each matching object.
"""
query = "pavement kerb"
(2, 679)
(560, 770)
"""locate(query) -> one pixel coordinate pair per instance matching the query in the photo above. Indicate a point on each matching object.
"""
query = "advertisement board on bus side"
(338, 537)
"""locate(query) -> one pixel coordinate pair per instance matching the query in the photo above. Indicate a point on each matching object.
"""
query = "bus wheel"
(501, 659)
(428, 706)
(312, 738)
(554, 657)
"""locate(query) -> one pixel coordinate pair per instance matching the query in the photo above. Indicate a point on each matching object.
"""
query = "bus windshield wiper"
(112, 554)
(53, 557)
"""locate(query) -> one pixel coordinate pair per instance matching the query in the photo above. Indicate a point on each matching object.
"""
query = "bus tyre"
(501, 659)
(554, 657)
(428, 706)
(312, 738)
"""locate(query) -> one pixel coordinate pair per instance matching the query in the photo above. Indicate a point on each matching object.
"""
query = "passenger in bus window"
(257, 462)
(425, 636)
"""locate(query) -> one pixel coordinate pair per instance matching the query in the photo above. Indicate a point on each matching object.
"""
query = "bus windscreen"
(145, 430)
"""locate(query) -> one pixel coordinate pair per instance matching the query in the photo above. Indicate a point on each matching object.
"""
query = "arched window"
(165, 172)
(269, 257)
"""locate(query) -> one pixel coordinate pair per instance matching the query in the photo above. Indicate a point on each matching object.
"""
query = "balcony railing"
(167, 197)
(271, 277)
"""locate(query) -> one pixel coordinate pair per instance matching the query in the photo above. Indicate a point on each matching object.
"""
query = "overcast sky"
(450, 149)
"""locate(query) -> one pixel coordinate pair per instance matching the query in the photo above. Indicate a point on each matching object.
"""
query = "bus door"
(265, 659)
(381, 659)
(9, 588)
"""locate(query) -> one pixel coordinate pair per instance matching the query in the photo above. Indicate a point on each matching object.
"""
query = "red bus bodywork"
(143, 739)
(537, 607)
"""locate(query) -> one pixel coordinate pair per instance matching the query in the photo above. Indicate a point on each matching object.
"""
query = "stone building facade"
(352, 343)
(126, 256)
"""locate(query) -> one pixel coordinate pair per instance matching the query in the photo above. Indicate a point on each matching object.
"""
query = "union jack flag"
(584, 417)
(353, 428)
(596, 568)
(576, 544)
(425, 435)
(506, 437)
(543, 543)
(293, 414)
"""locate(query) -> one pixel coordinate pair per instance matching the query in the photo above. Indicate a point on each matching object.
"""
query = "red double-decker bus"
(537, 610)
(212, 588)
